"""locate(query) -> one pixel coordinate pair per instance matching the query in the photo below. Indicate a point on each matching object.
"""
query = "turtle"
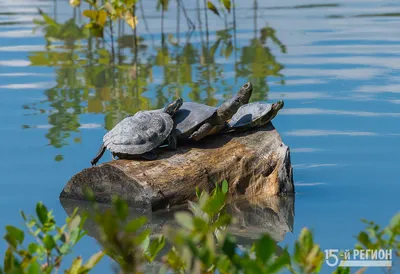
(141, 133)
(195, 121)
(252, 115)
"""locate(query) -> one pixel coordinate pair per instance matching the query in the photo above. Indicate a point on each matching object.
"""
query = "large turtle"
(252, 115)
(141, 133)
(195, 121)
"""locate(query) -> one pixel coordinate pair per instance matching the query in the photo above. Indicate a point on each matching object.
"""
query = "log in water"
(255, 163)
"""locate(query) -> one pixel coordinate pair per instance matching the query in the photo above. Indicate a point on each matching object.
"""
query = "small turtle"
(195, 121)
(253, 115)
(141, 133)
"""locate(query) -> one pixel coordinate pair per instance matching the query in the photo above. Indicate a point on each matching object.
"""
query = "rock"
(255, 163)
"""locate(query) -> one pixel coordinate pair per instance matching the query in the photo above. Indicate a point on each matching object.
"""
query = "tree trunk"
(255, 163)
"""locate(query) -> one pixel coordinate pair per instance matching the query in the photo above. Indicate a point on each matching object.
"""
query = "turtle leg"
(172, 142)
(202, 132)
(151, 155)
(99, 155)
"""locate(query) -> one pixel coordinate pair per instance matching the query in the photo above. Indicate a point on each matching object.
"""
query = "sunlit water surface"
(336, 66)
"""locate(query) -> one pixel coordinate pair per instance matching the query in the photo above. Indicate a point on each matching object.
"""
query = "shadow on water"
(254, 217)
(137, 72)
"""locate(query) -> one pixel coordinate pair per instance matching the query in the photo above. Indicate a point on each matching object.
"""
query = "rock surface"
(255, 163)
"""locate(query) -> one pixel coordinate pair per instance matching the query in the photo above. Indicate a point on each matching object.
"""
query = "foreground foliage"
(200, 243)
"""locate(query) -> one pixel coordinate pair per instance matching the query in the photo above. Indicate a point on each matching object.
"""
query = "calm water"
(336, 66)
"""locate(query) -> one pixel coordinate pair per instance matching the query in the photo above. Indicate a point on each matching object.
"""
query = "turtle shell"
(190, 116)
(249, 115)
(140, 133)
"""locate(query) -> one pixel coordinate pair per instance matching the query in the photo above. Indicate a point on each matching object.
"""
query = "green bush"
(200, 244)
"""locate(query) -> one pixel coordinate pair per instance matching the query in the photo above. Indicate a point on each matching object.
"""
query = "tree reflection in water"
(90, 79)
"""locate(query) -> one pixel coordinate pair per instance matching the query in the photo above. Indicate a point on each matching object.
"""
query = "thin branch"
(145, 21)
(199, 19)
(112, 41)
(192, 26)
(205, 12)
(234, 33)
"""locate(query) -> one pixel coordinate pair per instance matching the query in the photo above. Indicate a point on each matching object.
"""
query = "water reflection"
(140, 73)
(273, 215)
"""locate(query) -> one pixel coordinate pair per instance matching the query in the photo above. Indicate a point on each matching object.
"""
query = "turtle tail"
(99, 155)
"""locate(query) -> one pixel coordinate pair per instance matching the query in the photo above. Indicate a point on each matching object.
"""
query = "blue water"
(341, 117)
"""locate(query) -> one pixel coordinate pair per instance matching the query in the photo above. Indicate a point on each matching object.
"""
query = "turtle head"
(231, 106)
(174, 106)
(275, 108)
(278, 106)
(245, 92)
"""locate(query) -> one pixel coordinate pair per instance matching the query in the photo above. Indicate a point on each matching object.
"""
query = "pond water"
(336, 65)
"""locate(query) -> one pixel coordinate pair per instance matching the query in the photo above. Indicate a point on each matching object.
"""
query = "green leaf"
(343, 270)
(223, 220)
(195, 208)
(74, 223)
(11, 240)
(74, 236)
(75, 3)
(16, 233)
(214, 204)
(97, 31)
(136, 224)
(41, 212)
(101, 17)
(8, 260)
(145, 244)
(23, 216)
(95, 259)
(184, 219)
(121, 208)
(163, 3)
(139, 239)
(395, 221)
(364, 239)
(65, 248)
(200, 224)
(264, 248)
(227, 4)
(92, 14)
(41, 252)
(211, 7)
(130, 3)
(155, 247)
(109, 8)
(228, 50)
(76, 264)
(224, 186)
(198, 192)
(305, 239)
(280, 262)
(32, 247)
(34, 268)
(49, 242)
(48, 19)
(204, 197)
(131, 20)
